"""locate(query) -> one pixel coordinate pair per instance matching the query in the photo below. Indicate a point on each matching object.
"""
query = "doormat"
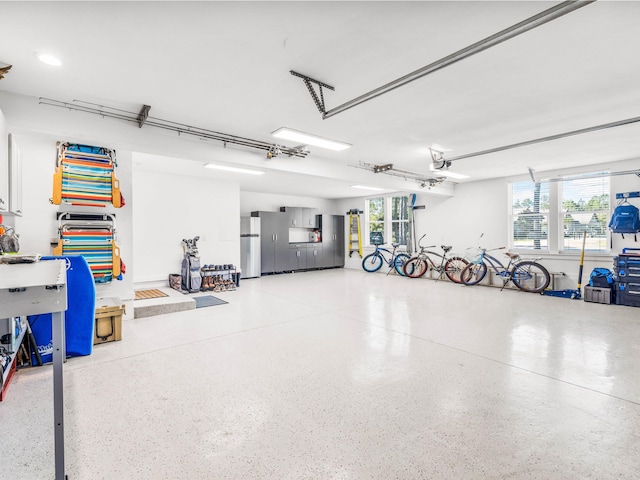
(208, 301)
(146, 294)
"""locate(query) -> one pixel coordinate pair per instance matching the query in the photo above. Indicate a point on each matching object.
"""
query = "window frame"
(556, 214)
(387, 221)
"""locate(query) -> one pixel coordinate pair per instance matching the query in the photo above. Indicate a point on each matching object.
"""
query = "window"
(399, 219)
(388, 218)
(530, 212)
(585, 206)
(375, 209)
(553, 216)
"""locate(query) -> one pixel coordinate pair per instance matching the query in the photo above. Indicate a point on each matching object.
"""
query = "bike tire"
(530, 277)
(372, 262)
(415, 267)
(454, 267)
(473, 273)
(400, 262)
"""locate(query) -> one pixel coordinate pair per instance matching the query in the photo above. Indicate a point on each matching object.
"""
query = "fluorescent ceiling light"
(49, 59)
(447, 173)
(234, 169)
(366, 187)
(309, 139)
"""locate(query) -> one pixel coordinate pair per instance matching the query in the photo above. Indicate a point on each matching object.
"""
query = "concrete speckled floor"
(340, 374)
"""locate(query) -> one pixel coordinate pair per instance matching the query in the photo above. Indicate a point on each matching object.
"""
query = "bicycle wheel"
(473, 273)
(453, 268)
(400, 261)
(415, 267)
(530, 277)
(372, 262)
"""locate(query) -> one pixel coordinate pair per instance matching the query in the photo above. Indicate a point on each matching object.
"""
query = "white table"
(33, 289)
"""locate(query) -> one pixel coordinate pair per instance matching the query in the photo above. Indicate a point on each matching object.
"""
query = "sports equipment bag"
(625, 219)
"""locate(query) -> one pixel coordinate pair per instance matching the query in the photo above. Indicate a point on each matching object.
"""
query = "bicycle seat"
(394, 245)
(512, 256)
(446, 248)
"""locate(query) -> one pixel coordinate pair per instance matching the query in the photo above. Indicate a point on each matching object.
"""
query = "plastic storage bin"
(598, 294)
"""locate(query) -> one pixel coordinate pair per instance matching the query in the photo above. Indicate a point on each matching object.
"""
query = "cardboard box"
(597, 295)
(108, 327)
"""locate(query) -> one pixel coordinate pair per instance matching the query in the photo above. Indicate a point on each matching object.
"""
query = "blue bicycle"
(527, 275)
(373, 262)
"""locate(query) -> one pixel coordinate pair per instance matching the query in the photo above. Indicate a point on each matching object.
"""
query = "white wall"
(252, 201)
(170, 208)
(38, 225)
(160, 211)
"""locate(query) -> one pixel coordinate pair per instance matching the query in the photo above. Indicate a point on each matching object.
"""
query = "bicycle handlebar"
(492, 249)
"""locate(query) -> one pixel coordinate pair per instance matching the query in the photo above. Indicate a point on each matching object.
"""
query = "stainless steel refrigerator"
(250, 247)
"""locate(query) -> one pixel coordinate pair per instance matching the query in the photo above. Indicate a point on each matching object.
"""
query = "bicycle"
(527, 275)
(450, 266)
(373, 262)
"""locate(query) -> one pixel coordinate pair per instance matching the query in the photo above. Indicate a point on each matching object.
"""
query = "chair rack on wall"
(94, 237)
(85, 176)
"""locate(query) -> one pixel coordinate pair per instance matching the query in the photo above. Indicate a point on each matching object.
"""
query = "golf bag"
(191, 279)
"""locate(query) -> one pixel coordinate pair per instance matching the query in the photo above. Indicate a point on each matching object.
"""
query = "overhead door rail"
(541, 18)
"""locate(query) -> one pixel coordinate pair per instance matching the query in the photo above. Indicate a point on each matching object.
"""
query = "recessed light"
(49, 59)
(447, 173)
(234, 169)
(367, 187)
(310, 139)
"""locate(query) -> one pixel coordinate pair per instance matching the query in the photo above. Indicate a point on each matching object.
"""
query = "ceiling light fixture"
(234, 169)
(367, 187)
(310, 139)
(49, 59)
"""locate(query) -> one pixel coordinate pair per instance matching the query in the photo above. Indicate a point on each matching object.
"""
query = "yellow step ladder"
(355, 233)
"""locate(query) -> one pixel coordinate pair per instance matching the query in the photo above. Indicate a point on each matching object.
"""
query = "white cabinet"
(15, 178)
(4, 166)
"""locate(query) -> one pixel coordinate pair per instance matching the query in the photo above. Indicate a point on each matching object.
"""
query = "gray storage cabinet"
(314, 255)
(297, 256)
(300, 217)
(333, 240)
(274, 241)
(309, 218)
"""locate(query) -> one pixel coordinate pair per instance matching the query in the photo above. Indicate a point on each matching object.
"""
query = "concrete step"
(173, 302)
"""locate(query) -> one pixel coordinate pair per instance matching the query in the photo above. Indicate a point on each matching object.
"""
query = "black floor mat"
(208, 301)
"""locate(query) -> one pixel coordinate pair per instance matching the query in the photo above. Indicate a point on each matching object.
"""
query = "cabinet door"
(302, 258)
(267, 252)
(267, 242)
(328, 244)
(293, 215)
(339, 246)
(281, 241)
(294, 258)
(309, 218)
(15, 178)
(314, 256)
(4, 165)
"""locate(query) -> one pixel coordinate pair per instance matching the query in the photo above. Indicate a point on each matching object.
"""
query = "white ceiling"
(224, 66)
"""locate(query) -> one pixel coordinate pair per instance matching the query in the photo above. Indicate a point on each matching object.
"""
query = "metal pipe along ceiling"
(558, 136)
(506, 34)
(143, 118)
